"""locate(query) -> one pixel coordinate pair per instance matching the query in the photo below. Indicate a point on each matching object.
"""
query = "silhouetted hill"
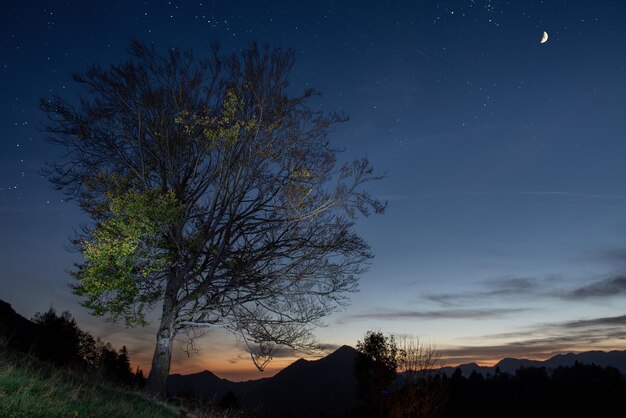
(510, 365)
(204, 385)
(15, 330)
(326, 385)
(615, 359)
(309, 388)
(467, 369)
(30, 387)
(304, 388)
(57, 339)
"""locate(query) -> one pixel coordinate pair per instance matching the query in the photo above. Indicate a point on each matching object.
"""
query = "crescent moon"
(544, 37)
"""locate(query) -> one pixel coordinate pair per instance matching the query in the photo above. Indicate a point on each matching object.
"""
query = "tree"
(397, 377)
(213, 192)
(123, 372)
(59, 338)
(422, 392)
(88, 350)
(108, 361)
(375, 370)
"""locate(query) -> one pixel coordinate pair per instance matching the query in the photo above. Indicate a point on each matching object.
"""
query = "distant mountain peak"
(344, 350)
(208, 372)
(301, 385)
(614, 358)
(298, 387)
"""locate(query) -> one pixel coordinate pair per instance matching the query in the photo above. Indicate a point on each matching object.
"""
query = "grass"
(32, 388)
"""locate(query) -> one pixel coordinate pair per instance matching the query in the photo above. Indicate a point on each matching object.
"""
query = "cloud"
(603, 324)
(545, 340)
(531, 348)
(504, 286)
(532, 288)
(613, 286)
(239, 357)
(597, 322)
(318, 350)
(541, 348)
(387, 315)
(328, 348)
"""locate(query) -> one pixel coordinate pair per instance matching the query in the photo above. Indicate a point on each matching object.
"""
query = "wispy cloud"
(496, 289)
(597, 322)
(545, 340)
(504, 286)
(318, 350)
(387, 315)
(610, 287)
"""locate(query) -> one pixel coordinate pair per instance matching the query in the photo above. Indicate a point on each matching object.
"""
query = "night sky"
(506, 159)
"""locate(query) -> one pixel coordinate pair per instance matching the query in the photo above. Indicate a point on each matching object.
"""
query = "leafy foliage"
(124, 252)
(375, 370)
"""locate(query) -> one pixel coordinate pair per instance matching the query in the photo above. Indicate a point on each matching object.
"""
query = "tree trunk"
(157, 379)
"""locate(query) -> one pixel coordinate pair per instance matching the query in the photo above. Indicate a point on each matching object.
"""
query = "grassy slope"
(31, 388)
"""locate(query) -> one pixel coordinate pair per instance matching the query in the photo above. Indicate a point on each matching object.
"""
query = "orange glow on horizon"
(235, 365)
(236, 372)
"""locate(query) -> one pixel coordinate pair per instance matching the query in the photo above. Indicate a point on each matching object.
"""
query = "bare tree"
(416, 359)
(214, 193)
(422, 392)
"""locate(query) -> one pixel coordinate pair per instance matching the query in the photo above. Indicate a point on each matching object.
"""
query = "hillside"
(32, 388)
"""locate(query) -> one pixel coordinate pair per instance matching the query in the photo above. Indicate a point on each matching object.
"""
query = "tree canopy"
(376, 365)
(214, 192)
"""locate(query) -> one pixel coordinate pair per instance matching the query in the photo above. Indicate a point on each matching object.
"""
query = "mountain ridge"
(298, 388)
(613, 358)
(295, 390)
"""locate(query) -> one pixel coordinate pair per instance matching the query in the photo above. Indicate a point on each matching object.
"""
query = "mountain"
(204, 385)
(467, 369)
(615, 359)
(327, 386)
(305, 388)
(510, 365)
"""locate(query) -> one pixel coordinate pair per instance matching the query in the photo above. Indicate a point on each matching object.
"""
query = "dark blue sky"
(506, 229)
